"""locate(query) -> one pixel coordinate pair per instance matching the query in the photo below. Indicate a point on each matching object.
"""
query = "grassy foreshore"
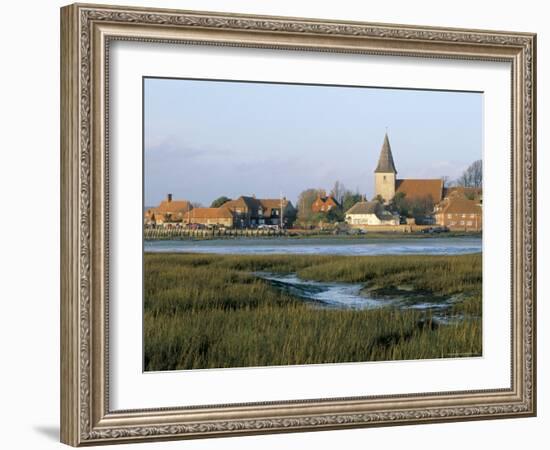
(207, 311)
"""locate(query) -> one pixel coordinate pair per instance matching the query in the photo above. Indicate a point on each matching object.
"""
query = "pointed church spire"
(385, 162)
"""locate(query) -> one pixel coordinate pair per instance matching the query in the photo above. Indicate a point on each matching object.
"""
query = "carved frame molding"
(86, 32)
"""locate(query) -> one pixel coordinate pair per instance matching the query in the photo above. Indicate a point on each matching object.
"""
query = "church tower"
(384, 175)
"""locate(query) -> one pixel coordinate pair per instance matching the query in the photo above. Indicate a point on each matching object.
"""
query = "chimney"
(169, 198)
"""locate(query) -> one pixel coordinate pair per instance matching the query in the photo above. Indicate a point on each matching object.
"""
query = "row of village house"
(243, 212)
(457, 209)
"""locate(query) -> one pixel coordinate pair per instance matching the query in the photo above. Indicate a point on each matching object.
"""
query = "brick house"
(221, 216)
(169, 211)
(251, 211)
(459, 213)
(324, 204)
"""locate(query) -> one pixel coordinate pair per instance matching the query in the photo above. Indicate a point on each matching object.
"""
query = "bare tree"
(338, 191)
(476, 170)
(472, 176)
(463, 180)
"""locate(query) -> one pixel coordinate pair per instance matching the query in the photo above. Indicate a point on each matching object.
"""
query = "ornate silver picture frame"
(87, 33)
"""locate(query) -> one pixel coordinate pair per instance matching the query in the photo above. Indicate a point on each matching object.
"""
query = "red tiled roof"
(209, 213)
(414, 188)
(173, 207)
(457, 205)
(321, 202)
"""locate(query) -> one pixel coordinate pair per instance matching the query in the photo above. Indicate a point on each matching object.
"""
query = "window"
(469, 223)
(449, 216)
(461, 222)
(463, 216)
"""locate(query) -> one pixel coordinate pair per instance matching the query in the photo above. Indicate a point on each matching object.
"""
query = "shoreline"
(207, 235)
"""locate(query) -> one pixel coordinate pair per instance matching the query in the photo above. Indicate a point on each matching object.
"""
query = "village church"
(386, 184)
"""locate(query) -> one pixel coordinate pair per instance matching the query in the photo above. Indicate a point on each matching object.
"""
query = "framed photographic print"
(276, 224)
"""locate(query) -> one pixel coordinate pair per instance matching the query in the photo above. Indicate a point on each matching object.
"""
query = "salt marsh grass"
(211, 311)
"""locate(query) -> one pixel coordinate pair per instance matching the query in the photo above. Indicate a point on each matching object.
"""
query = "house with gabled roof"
(168, 211)
(457, 212)
(221, 217)
(249, 211)
(370, 213)
(324, 203)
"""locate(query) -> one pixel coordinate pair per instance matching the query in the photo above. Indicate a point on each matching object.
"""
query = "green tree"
(316, 218)
(335, 215)
(421, 206)
(350, 199)
(220, 201)
(400, 204)
(417, 207)
(305, 200)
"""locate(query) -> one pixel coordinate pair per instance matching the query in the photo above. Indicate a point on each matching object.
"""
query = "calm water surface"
(323, 246)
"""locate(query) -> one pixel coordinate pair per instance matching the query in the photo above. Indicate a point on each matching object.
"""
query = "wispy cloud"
(172, 149)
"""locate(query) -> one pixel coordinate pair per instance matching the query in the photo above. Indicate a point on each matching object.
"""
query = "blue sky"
(204, 139)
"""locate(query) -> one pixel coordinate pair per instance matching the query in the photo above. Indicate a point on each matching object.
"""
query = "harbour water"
(322, 246)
